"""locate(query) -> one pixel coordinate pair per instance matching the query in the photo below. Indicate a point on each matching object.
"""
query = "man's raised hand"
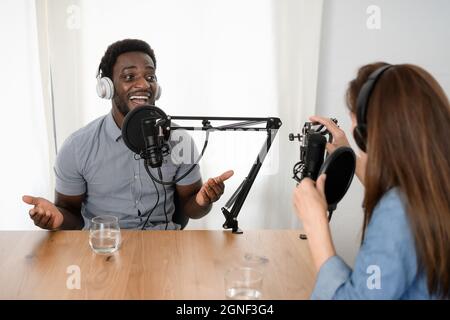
(44, 213)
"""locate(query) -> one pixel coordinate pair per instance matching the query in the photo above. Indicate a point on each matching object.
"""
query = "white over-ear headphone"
(105, 88)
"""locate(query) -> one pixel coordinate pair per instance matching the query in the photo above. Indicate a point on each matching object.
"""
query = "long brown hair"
(408, 147)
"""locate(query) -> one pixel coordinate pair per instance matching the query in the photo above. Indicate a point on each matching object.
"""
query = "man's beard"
(121, 105)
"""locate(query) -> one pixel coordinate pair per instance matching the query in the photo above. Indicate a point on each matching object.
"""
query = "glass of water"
(243, 283)
(104, 235)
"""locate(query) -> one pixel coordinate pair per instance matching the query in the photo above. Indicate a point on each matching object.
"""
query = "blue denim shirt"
(386, 265)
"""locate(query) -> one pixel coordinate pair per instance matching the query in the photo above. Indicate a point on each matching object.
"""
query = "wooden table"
(149, 264)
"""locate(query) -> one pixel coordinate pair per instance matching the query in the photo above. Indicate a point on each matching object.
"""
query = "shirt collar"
(112, 129)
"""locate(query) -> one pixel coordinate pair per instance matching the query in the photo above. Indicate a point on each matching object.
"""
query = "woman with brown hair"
(401, 123)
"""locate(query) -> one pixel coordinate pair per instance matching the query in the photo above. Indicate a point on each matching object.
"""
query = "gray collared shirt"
(95, 161)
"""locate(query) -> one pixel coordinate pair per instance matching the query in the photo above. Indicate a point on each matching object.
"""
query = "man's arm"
(195, 200)
(70, 207)
(185, 201)
(64, 214)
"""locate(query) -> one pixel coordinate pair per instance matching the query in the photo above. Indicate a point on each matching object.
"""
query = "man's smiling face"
(134, 81)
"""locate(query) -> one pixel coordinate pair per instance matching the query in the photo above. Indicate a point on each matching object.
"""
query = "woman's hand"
(311, 207)
(310, 202)
(340, 140)
(339, 137)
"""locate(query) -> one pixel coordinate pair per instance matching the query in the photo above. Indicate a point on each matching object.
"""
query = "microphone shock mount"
(309, 129)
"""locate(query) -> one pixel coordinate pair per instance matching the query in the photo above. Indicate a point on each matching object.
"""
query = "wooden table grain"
(182, 265)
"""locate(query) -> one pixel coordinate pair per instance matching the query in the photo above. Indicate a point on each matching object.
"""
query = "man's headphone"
(105, 87)
(362, 102)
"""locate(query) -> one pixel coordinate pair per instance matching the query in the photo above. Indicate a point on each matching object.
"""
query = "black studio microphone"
(144, 132)
(152, 139)
(314, 155)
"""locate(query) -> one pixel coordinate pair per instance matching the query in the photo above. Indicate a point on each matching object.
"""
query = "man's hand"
(44, 214)
(212, 189)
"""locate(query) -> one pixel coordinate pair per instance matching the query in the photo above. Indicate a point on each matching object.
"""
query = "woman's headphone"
(362, 102)
(105, 87)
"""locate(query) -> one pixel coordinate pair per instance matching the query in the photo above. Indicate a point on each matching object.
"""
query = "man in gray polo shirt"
(96, 174)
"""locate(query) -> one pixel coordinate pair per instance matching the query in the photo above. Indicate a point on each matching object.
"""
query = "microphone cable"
(169, 183)
(154, 207)
(164, 183)
(157, 202)
(165, 196)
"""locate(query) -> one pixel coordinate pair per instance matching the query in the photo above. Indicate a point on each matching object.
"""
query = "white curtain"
(255, 58)
(25, 162)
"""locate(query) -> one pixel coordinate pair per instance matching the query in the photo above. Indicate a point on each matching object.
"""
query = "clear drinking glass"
(255, 261)
(243, 283)
(104, 235)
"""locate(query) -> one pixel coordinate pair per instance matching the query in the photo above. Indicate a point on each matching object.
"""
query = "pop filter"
(132, 129)
(339, 167)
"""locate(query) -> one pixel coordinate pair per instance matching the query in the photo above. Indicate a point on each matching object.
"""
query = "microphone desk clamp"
(234, 204)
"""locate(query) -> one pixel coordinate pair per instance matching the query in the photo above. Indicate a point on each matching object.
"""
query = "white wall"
(412, 31)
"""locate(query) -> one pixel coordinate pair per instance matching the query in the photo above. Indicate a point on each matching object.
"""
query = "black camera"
(313, 140)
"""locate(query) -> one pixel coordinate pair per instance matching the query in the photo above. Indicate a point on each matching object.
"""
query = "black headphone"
(362, 102)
